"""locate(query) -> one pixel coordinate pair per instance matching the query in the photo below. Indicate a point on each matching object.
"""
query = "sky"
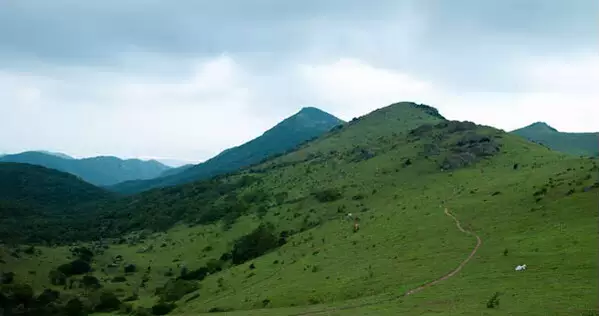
(184, 80)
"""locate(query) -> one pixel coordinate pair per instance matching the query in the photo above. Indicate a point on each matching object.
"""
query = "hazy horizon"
(185, 82)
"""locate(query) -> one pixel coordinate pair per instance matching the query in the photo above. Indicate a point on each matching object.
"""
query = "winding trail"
(415, 290)
(452, 273)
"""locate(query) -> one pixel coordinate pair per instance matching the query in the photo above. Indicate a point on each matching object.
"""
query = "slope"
(31, 194)
(394, 169)
(104, 170)
(586, 144)
(307, 124)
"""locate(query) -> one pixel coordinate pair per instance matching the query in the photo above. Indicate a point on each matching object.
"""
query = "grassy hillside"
(585, 144)
(30, 195)
(100, 171)
(305, 125)
(394, 169)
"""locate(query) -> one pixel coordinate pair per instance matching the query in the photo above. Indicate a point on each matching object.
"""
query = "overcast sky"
(186, 79)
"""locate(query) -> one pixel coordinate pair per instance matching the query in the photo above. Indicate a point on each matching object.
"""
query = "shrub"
(327, 195)
(214, 265)
(74, 307)
(7, 277)
(130, 268)
(75, 267)
(83, 253)
(162, 308)
(18, 294)
(217, 310)
(118, 279)
(57, 278)
(89, 281)
(105, 301)
(255, 244)
(47, 296)
(493, 301)
(197, 274)
(174, 290)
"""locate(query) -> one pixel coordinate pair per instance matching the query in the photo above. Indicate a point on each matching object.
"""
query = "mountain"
(449, 202)
(305, 125)
(29, 193)
(100, 171)
(61, 155)
(175, 163)
(586, 144)
(174, 171)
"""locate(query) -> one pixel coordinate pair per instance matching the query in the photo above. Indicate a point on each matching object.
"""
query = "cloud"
(188, 80)
(351, 87)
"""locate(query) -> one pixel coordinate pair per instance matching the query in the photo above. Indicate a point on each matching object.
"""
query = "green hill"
(303, 126)
(274, 238)
(585, 144)
(100, 171)
(31, 194)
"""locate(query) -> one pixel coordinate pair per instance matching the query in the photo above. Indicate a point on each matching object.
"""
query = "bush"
(105, 301)
(162, 308)
(327, 195)
(57, 278)
(214, 266)
(47, 296)
(130, 268)
(197, 274)
(118, 279)
(493, 301)
(75, 267)
(174, 290)
(89, 281)
(7, 277)
(83, 254)
(255, 244)
(74, 307)
(16, 294)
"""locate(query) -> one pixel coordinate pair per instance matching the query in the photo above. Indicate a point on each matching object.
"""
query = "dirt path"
(415, 290)
(452, 273)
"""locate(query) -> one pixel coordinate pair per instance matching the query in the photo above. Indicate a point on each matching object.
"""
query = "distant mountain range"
(585, 144)
(100, 171)
(307, 124)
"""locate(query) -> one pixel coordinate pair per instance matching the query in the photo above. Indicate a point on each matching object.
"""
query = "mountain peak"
(314, 112)
(310, 117)
(542, 126)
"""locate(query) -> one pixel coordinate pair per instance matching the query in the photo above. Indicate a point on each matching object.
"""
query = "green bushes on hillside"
(327, 195)
(255, 244)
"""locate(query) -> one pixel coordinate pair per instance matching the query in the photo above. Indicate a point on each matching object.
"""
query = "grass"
(405, 239)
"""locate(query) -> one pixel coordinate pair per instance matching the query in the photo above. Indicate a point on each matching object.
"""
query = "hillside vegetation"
(305, 125)
(274, 238)
(585, 144)
(30, 195)
(100, 171)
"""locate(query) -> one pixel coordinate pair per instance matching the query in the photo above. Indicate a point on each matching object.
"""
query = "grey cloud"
(464, 43)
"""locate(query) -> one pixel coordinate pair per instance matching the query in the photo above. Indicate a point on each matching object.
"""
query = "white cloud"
(189, 118)
(222, 103)
(578, 74)
(561, 93)
(353, 87)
